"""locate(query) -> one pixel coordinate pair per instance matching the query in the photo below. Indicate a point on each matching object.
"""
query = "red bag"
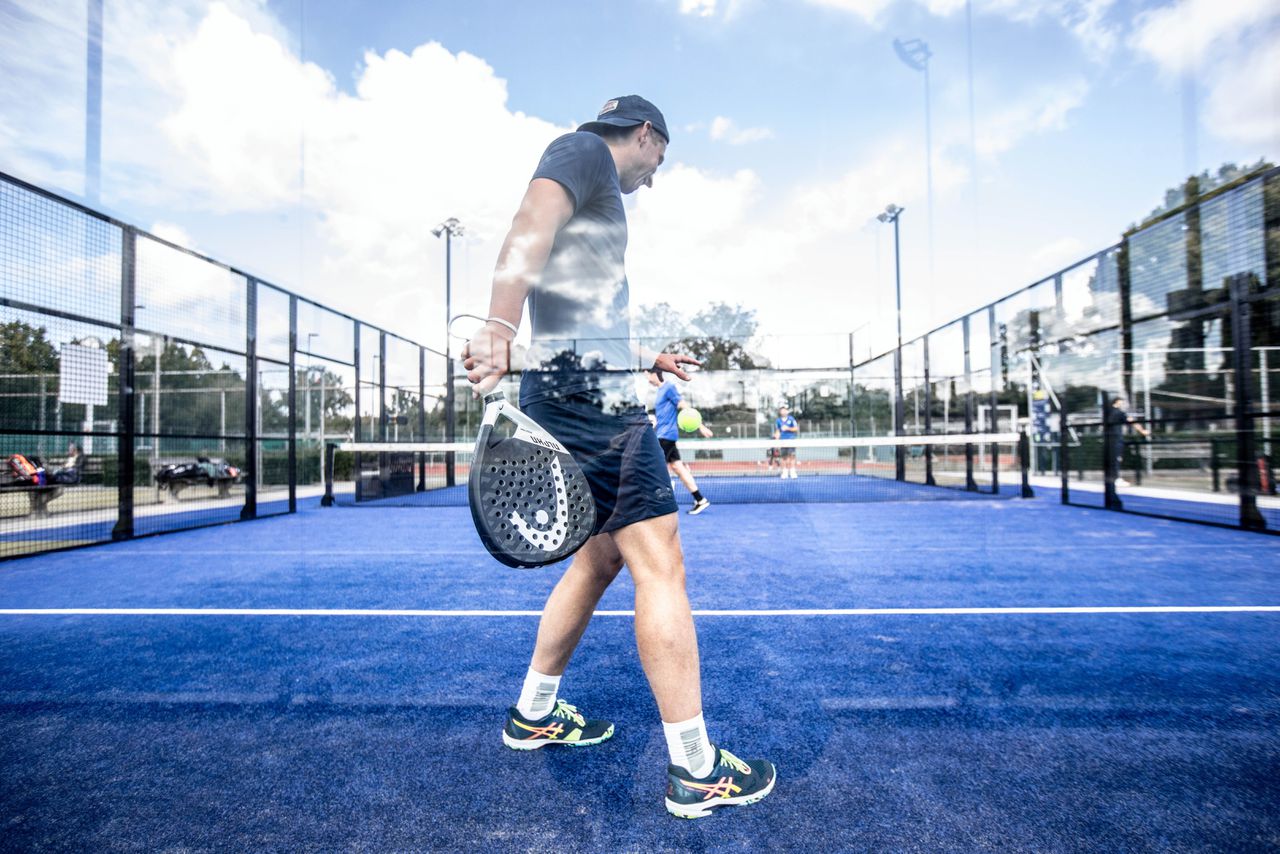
(26, 471)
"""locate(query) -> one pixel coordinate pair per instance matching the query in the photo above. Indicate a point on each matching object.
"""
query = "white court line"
(784, 612)
(320, 552)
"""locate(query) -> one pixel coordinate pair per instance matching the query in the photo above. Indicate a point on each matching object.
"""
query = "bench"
(92, 470)
(39, 496)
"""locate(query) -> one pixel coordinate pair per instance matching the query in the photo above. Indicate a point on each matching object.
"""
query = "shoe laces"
(568, 712)
(734, 762)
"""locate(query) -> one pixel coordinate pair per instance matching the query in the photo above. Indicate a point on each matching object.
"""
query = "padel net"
(954, 466)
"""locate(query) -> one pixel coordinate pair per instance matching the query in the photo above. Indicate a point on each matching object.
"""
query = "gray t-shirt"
(580, 310)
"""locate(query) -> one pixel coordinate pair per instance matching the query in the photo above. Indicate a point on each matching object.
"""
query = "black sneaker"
(732, 782)
(699, 506)
(564, 725)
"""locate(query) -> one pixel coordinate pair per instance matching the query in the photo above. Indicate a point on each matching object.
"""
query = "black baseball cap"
(629, 111)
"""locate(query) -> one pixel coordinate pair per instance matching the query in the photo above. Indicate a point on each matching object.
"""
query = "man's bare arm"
(544, 210)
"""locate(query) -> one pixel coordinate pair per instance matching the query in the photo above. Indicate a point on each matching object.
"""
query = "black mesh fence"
(1147, 376)
(145, 388)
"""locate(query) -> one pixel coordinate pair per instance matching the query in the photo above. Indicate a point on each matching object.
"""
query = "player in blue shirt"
(785, 427)
(666, 409)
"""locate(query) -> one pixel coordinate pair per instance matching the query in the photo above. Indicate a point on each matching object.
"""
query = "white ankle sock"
(538, 696)
(689, 746)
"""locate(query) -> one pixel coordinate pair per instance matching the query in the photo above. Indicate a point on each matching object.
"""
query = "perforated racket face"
(531, 505)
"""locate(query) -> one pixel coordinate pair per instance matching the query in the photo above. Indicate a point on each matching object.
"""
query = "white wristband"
(506, 323)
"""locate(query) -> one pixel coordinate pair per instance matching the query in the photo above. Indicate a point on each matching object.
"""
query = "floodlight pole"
(891, 214)
(93, 103)
(450, 228)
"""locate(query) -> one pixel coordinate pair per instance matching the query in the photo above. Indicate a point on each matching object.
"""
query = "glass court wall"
(147, 388)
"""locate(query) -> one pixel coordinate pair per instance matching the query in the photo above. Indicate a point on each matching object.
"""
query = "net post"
(1024, 462)
(330, 450)
(422, 416)
(1064, 455)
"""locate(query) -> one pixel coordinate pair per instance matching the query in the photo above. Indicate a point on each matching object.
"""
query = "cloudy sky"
(316, 142)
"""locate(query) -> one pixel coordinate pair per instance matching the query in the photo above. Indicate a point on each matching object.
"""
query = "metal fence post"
(1024, 463)
(422, 416)
(383, 416)
(250, 509)
(994, 402)
(969, 483)
(1064, 462)
(126, 439)
(928, 415)
(293, 404)
(900, 451)
(1246, 447)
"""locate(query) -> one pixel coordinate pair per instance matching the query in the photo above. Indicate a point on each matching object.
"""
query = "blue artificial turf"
(891, 732)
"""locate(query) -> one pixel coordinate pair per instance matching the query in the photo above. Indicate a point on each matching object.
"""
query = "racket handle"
(494, 397)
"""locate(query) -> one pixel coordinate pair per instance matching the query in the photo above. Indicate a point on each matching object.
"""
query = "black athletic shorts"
(786, 453)
(669, 448)
(619, 454)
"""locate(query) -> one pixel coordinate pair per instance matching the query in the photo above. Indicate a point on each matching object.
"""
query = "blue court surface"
(927, 676)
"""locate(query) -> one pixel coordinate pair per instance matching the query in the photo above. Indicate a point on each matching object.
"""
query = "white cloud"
(868, 10)
(1232, 51)
(700, 8)
(1056, 253)
(1085, 19)
(242, 121)
(725, 130)
(1180, 37)
(1041, 111)
(175, 234)
(806, 261)
(727, 10)
(1244, 102)
(429, 134)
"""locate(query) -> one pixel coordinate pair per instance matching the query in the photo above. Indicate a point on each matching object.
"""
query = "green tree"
(26, 349)
(721, 336)
(722, 320)
(28, 375)
(659, 325)
(1197, 187)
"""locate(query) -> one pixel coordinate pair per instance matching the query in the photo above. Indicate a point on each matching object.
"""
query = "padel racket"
(529, 499)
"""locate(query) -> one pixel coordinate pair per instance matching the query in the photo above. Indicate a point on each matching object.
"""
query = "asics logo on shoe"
(722, 788)
(552, 730)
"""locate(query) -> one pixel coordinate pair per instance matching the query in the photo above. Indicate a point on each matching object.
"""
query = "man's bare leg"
(665, 634)
(686, 476)
(572, 602)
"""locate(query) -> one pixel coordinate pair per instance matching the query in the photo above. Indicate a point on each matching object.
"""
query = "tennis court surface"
(928, 676)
